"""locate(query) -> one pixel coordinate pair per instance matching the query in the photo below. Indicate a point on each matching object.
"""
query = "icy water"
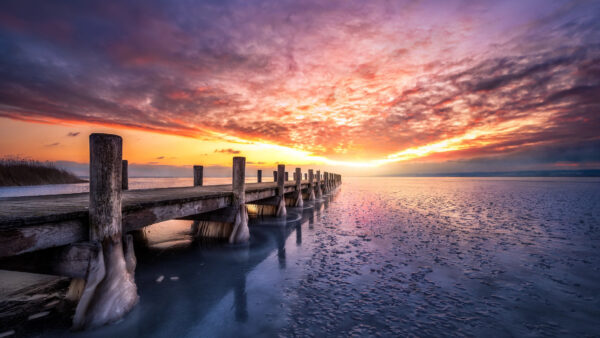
(382, 257)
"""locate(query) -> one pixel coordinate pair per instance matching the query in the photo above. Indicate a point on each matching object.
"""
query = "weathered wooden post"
(325, 182)
(305, 176)
(274, 176)
(298, 176)
(240, 232)
(318, 192)
(110, 291)
(311, 187)
(281, 211)
(287, 178)
(124, 176)
(198, 175)
(259, 176)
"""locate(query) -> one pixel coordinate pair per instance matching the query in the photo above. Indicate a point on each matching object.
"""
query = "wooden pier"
(84, 236)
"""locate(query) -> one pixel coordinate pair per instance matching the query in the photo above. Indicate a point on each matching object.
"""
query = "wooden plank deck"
(37, 222)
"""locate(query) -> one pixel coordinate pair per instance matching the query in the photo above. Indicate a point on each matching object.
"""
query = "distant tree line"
(17, 171)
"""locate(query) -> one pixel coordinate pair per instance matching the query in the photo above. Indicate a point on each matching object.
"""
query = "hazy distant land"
(19, 172)
(524, 173)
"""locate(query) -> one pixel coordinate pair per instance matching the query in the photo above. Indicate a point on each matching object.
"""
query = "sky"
(357, 87)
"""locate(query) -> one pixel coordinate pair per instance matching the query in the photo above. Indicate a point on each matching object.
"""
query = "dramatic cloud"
(348, 80)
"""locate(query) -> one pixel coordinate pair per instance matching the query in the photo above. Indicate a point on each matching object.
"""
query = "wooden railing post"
(259, 176)
(198, 175)
(105, 185)
(240, 232)
(124, 176)
(311, 187)
(298, 177)
(318, 192)
(110, 291)
(281, 210)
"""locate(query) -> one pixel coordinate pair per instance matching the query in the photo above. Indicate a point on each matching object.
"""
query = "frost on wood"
(281, 211)
(110, 291)
(240, 232)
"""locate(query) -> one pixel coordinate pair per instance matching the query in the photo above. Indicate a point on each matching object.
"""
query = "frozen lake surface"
(384, 256)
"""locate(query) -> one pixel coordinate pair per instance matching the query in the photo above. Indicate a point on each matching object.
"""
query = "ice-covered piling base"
(281, 210)
(240, 232)
(110, 291)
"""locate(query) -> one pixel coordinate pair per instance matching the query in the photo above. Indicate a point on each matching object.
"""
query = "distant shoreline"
(524, 173)
(22, 172)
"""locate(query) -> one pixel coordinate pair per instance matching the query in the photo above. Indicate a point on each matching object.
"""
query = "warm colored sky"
(403, 86)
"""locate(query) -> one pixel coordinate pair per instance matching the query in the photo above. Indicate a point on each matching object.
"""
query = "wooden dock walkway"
(84, 235)
(37, 222)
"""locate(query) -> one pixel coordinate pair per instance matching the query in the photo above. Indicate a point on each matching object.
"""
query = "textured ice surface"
(390, 257)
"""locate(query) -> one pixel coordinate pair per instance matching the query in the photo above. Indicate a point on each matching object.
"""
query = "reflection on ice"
(394, 257)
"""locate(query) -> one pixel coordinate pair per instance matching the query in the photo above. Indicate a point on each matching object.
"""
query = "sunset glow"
(375, 84)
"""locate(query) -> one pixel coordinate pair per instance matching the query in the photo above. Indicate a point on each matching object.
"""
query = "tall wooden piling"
(305, 176)
(311, 186)
(105, 185)
(198, 175)
(274, 176)
(318, 191)
(287, 177)
(281, 210)
(325, 182)
(240, 232)
(298, 177)
(110, 291)
(124, 176)
(259, 176)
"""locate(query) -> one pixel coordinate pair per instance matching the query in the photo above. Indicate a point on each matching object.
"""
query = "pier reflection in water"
(199, 287)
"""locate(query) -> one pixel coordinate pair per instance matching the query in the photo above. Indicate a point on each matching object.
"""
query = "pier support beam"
(298, 176)
(311, 186)
(240, 232)
(281, 210)
(259, 176)
(110, 291)
(198, 175)
(318, 192)
(124, 176)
